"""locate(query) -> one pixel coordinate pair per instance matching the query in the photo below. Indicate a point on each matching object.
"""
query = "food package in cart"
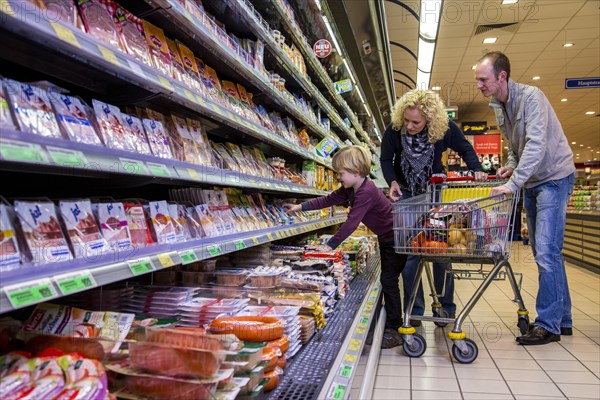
(113, 225)
(10, 255)
(44, 238)
(158, 49)
(69, 321)
(134, 127)
(110, 124)
(157, 138)
(161, 221)
(132, 36)
(73, 119)
(138, 227)
(82, 230)
(6, 120)
(98, 19)
(32, 109)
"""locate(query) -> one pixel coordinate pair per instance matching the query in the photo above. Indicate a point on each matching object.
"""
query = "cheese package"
(73, 119)
(161, 221)
(113, 225)
(110, 123)
(158, 49)
(10, 256)
(82, 230)
(32, 108)
(132, 36)
(45, 240)
(98, 19)
(138, 227)
(157, 138)
(138, 138)
(6, 120)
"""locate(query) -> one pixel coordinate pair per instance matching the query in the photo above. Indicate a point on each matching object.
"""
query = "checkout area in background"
(487, 145)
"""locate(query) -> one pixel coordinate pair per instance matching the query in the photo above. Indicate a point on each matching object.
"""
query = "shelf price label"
(240, 245)
(159, 170)
(75, 282)
(255, 240)
(270, 236)
(193, 174)
(67, 157)
(141, 266)
(165, 260)
(346, 370)
(165, 83)
(188, 256)
(21, 295)
(109, 55)
(354, 345)
(65, 34)
(133, 166)
(337, 391)
(214, 250)
(14, 150)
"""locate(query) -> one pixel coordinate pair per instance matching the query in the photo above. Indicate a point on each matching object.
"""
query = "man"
(540, 161)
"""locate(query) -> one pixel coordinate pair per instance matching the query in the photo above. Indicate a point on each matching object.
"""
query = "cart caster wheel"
(470, 355)
(523, 325)
(444, 314)
(417, 348)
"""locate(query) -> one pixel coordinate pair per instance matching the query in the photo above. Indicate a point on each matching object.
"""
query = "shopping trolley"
(456, 221)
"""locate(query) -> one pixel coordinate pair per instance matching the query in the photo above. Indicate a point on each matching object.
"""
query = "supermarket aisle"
(504, 370)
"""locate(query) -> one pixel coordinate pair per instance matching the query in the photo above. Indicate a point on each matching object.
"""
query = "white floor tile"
(525, 376)
(551, 365)
(526, 397)
(435, 384)
(551, 354)
(513, 354)
(574, 377)
(389, 394)
(394, 360)
(388, 370)
(517, 364)
(534, 389)
(477, 373)
(593, 366)
(429, 372)
(392, 382)
(478, 363)
(431, 362)
(478, 396)
(484, 386)
(573, 390)
(431, 395)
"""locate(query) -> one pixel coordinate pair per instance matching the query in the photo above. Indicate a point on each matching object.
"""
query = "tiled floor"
(503, 370)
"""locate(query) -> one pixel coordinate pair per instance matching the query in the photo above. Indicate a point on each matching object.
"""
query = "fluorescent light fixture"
(436, 88)
(430, 18)
(577, 155)
(360, 95)
(580, 145)
(318, 4)
(506, 2)
(506, 148)
(589, 147)
(590, 113)
(425, 60)
(366, 109)
(348, 69)
(568, 44)
(423, 79)
(489, 40)
(536, 78)
(474, 66)
(573, 142)
(563, 100)
(335, 43)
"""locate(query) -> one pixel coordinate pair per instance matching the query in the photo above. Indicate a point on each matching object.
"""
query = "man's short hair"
(354, 159)
(499, 61)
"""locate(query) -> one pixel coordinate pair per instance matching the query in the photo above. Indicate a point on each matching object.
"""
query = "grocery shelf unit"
(582, 239)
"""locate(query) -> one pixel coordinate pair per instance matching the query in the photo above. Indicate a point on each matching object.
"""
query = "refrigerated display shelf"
(79, 46)
(198, 30)
(38, 153)
(324, 368)
(260, 27)
(24, 287)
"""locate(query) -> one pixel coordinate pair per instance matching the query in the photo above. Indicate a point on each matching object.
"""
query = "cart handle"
(440, 179)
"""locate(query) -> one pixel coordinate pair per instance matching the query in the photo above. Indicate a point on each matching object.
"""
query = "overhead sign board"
(474, 127)
(582, 83)
(487, 144)
(343, 86)
(322, 48)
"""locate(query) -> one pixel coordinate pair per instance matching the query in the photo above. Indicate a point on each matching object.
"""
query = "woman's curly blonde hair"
(430, 105)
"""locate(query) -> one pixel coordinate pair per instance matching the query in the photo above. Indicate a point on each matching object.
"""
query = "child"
(370, 206)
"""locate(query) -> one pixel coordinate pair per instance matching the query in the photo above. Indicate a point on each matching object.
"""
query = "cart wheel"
(417, 348)
(444, 314)
(523, 325)
(470, 355)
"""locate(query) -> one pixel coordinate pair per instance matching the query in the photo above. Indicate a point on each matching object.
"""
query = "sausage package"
(110, 122)
(82, 229)
(10, 256)
(113, 225)
(44, 238)
(73, 119)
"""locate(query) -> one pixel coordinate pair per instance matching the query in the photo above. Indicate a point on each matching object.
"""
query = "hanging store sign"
(322, 48)
(487, 144)
(343, 86)
(582, 83)
(474, 128)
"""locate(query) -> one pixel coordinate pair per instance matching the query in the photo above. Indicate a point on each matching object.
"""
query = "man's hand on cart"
(481, 176)
(395, 192)
(505, 172)
(292, 209)
(320, 247)
(498, 190)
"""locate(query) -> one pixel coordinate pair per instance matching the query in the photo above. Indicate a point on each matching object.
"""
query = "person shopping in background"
(540, 160)
(370, 206)
(411, 151)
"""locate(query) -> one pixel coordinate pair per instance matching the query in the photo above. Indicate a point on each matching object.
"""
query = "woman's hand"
(292, 209)
(395, 192)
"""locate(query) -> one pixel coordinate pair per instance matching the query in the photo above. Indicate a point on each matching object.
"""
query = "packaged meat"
(10, 255)
(207, 220)
(44, 238)
(64, 11)
(161, 221)
(182, 136)
(32, 109)
(158, 49)
(73, 119)
(82, 230)
(179, 72)
(47, 380)
(98, 19)
(132, 35)
(92, 348)
(138, 228)
(6, 120)
(110, 123)
(249, 328)
(135, 129)
(84, 379)
(157, 138)
(189, 64)
(113, 225)
(163, 388)
(180, 223)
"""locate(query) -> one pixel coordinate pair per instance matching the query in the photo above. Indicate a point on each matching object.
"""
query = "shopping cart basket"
(456, 221)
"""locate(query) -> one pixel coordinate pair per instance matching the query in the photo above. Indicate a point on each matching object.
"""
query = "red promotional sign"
(322, 48)
(487, 144)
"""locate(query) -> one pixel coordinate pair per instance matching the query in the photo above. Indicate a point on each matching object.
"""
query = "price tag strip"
(188, 257)
(75, 282)
(26, 294)
(66, 157)
(141, 266)
(15, 150)
(159, 170)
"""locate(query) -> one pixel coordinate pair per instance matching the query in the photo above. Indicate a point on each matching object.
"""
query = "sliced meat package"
(64, 11)
(132, 35)
(32, 109)
(158, 49)
(138, 138)
(111, 126)
(113, 225)
(82, 229)
(99, 22)
(73, 119)
(138, 227)
(157, 138)
(161, 221)
(10, 256)
(6, 120)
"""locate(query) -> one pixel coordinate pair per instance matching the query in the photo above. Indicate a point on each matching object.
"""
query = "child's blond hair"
(354, 159)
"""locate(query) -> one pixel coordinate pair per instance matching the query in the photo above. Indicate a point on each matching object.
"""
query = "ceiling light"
(563, 100)
(506, 148)
(366, 109)
(589, 147)
(568, 45)
(590, 113)
(335, 43)
(573, 142)
(474, 66)
(580, 145)
(318, 4)
(348, 69)
(489, 40)
(436, 88)
(423, 79)
(536, 78)
(430, 18)
(577, 155)
(505, 2)
(426, 50)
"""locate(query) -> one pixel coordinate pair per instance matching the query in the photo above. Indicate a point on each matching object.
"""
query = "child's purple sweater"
(369, 205)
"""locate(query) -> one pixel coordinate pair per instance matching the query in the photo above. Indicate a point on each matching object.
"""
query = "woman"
(411, 151)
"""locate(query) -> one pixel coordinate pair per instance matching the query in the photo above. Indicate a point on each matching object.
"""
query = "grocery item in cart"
(161, 221)
(10, 256)
(82, 229)
(73, 119)
(132, 35)
(32, 109)
(110, 123)
(158, 49)
(138, 138)
(98, 19)
(6, 120)
(157, 138)
(113, 224)
(45, 240)
(138, 228)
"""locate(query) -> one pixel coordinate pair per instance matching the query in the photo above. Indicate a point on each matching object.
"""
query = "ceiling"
(534, 44)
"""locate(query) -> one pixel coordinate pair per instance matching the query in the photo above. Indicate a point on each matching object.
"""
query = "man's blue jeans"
(546, 207)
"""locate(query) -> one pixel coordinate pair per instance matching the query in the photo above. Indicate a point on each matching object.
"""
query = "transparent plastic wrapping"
(82, 229)
(10, 254)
